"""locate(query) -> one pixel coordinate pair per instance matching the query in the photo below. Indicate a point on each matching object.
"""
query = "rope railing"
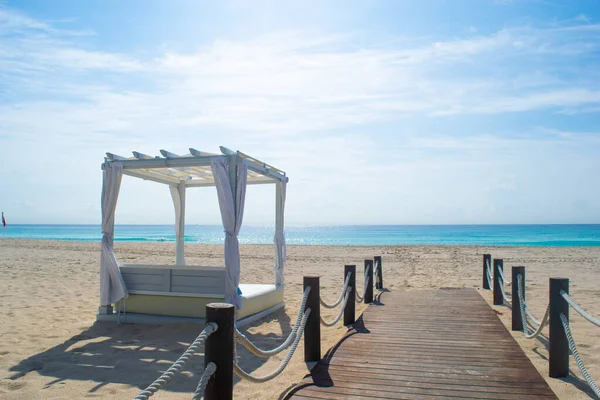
(378, 272)
(487, 271)
(359, 298)
(377, 275)
(339, 300)
(578, 359)
(531, 317)
(260, 379)
(556, 317)
(177, 365)
(522, 304)
(244, 341)
(489, 275)
(504, 281)
(210, 369)
(580, 310)
(340, 313)
(498, 282)
(504, 296)
(220, 360)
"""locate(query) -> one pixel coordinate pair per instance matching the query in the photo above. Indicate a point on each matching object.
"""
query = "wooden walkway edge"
(426, 344)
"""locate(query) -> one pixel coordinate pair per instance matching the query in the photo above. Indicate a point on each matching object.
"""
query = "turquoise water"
(488, 235)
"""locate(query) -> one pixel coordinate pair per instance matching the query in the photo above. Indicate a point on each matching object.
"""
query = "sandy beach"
(52, 348)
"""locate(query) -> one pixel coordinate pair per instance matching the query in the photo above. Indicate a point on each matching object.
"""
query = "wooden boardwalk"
(426, 344)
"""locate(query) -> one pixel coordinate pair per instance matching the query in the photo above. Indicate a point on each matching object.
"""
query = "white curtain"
(179, 203)
(232, 213)
(280, 234)
(112, 286)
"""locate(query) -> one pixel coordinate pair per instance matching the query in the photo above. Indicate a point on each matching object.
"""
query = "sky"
(380, 112)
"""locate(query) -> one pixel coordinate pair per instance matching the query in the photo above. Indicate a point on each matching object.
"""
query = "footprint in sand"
(13, 385)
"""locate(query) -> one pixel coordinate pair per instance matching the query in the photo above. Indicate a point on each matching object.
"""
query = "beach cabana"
(179, 292)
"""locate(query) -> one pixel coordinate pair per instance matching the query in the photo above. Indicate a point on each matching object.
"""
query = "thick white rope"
(260, 379)
(506, 301)
(376, 272)
(580, 310)
(339, 316)
(489, 277)
(208, 372)
(243, 340)
(504, 297)
(339, 300)
(504, 281)
(537, 332)
(578, 360)
(531, 316)
(177, 365)
(359, 298)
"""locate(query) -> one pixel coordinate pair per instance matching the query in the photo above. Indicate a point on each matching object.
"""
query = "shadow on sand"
(107, 353)
(319, 374)
(572, 379)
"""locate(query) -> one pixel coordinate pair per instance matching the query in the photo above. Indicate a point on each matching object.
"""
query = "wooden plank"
(205, 285)
(170, 266)
(167, 283)
(201, 273)
(196, 281)
(426, 344)
(174, 279)
(135, 281)
(144, 287)
(141, 270)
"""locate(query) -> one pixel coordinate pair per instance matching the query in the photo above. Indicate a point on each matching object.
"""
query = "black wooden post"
(312, 331)
(517, 320)
(219, 350)
(498, 265)
(349, 311)
(487, 260)
(559, 345)
(369, 278)
(379, 277)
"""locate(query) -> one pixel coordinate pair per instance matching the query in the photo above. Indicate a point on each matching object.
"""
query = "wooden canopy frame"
(194, 170)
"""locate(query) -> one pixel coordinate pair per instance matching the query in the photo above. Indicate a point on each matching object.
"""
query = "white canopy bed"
(162, 293)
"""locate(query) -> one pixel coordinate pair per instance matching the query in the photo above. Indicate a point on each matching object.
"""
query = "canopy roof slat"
(116, 157)
(198, 153)
(168, 154)
(151, 176)
(191, 172)
(270, 167)
(193, 169)
(141, 156)
(226, 151)
(191, 184)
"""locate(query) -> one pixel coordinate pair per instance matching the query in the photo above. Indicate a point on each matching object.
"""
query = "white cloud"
(11, 20)
(307, 102)
(289, 81)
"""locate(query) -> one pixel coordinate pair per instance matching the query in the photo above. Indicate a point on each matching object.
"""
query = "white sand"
(51, 348)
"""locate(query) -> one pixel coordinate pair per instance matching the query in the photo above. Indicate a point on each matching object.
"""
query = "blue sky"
(381, 112)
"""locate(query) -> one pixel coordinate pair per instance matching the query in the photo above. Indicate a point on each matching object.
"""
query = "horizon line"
(323, 225)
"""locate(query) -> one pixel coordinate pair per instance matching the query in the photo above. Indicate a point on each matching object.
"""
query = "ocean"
(486, 235)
